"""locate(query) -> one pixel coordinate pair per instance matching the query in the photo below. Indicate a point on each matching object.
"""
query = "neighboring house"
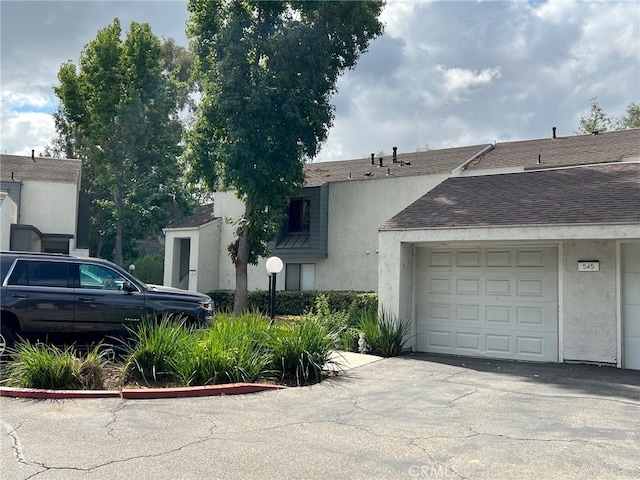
(41, 208)
(331, 242)
(192, 251)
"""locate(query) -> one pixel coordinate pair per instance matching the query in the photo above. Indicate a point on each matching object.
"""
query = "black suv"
(61, 295)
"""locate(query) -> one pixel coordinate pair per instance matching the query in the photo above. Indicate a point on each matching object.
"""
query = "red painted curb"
(200, 391)
(140, 393)
(39, 393)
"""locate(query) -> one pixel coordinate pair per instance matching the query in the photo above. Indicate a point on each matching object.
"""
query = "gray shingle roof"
(429, 162)
(562, 151)
(18, 167)
(598, 194)
(203, 215)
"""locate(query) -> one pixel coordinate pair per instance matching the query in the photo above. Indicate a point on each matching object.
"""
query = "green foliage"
(300, 351)
(47, 366)
(232, 350)
(299, 303)
(599, 121)
(268, 71)
(150, 269)
(631, 117)
(385, 335)
(118, 112)
(154, 348)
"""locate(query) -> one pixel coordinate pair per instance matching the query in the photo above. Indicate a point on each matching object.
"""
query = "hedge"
(298, 303)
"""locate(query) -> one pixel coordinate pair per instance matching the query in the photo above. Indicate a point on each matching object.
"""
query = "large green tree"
(268, 71)
(119, 113)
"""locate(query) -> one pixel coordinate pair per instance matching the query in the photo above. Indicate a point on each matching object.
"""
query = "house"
(41, 207)
(541, 265)
(331, 241)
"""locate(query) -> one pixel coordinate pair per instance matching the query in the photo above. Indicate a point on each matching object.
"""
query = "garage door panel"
(504, 303)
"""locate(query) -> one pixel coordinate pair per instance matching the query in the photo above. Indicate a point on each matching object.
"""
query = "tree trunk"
(117, 249)
(241, 300)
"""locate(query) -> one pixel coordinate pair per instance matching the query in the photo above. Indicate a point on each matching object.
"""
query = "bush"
(155, 352)
(150, 269)
(385, 335)
(47, 366)
(233, 349)
(299, 303)
(300, 351)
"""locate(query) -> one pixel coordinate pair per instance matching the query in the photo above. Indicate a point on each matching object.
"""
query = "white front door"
(630, 262)
(499, 302)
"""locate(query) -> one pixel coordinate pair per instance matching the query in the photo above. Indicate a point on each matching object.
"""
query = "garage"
(631, 304)
(497, 302)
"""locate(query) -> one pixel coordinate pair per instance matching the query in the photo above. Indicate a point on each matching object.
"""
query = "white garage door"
(631, 305)
(489, 302)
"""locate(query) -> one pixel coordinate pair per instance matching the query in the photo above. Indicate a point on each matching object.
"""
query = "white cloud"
(461, 79)
(22, 132)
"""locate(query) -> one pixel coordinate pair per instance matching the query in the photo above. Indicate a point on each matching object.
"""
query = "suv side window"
(40, 274)
(97, 276)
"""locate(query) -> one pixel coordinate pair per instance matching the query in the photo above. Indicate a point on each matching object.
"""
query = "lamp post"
(274, 266)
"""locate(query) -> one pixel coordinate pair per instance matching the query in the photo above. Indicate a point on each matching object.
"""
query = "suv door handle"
(86, 299)
(20, 296)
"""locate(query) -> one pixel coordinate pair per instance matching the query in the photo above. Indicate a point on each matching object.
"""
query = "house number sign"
(588, 266)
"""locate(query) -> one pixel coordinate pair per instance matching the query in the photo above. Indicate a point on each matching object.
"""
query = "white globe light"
(274, 265)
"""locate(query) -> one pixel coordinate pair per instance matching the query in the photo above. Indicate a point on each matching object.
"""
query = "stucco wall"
(356, 209)
(589, 311)
(8, 215)
(50, 207)
(207, 257)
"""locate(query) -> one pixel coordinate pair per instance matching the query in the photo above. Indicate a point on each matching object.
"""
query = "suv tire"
(6, 339)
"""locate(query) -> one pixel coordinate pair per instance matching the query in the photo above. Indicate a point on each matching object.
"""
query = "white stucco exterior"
(50, 206)
(589, 303)
(203, 257)
(356, 210)
(8, 215)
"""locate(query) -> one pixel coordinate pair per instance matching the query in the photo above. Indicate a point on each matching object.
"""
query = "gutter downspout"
(457, 172)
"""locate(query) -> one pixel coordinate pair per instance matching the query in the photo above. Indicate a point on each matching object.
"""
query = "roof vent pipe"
(554, 132)
(33, 154)
(373, 160)
(380, 159)
(395, 154)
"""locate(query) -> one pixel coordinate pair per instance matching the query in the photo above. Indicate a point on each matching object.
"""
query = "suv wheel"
(6, 338)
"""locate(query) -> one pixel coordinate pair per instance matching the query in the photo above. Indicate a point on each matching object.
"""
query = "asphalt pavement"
(410, 417)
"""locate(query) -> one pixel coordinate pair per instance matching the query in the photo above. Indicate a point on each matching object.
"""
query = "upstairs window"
(298, 215)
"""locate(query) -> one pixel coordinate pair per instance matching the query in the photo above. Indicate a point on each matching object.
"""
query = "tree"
(599, 121)
(118, 112)
(631, 118)
(268, 71)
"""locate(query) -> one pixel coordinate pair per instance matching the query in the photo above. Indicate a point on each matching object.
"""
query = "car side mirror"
(128, 287)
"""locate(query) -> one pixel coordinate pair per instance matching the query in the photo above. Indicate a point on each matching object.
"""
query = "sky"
(444, 74)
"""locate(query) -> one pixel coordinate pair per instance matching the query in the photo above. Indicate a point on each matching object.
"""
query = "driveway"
(401, 418)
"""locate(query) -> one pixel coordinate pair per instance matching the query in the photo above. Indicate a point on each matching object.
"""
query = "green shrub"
(233, 349)
(300, 351)
(299, 303)
(46, 366)
(150, 269)
(385, 335)
(156, 349)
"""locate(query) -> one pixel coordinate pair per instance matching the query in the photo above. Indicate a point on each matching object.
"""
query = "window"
(40, 274)
(300, 276)
(97, 276)
(298, 215)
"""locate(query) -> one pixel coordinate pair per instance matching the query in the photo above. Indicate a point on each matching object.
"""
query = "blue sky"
(444, 74)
